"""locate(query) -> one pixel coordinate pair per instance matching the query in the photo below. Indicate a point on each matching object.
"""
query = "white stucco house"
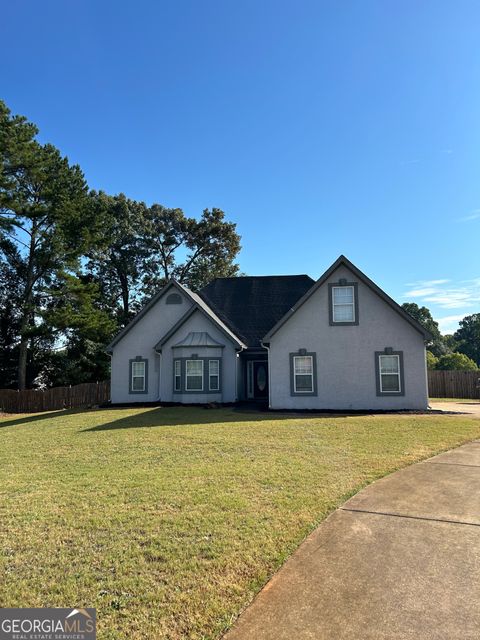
(336, 343)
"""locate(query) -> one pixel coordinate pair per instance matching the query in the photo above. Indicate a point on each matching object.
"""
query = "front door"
(257, 379)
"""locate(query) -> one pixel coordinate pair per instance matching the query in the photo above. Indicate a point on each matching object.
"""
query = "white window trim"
(143, 376)
(352, 304)
(380, 373)
(194, 376)
(177, 376)
(217, 375)
(302, 374)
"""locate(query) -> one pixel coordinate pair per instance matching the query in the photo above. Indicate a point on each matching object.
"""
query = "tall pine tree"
(42, 212)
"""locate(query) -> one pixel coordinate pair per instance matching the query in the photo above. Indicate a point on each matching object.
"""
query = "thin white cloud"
(445, 294)
(426, 283)
(474, 215)
(449, 324)
(420, 293)
(412, 161)
(455, 299)
(447, 151)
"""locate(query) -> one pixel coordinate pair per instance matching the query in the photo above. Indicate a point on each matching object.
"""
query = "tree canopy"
(44, 226)
(76, 265)
(424, 317)
(468, 337)
(457, 362)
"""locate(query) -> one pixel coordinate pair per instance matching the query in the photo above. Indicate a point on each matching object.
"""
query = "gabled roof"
(198, 339)
(249, 310)
(251, 305)
(203, 309)
(342, 260)
(197, 304)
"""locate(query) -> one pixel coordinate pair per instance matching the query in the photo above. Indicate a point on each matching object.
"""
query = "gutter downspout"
(267, 347)
(159, 354)
(110, 353)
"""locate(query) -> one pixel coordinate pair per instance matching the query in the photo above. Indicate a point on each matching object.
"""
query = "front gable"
(198, 343)
(207, 321)
(156, 317)
(347, 345)
(344, 274)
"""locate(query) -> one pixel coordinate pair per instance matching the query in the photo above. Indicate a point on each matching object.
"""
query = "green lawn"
(168, 521)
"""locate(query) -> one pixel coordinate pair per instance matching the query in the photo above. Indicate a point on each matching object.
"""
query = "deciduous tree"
(468, 337)
(457, 362)
(117, 259)
(192, 251)
(424, 317)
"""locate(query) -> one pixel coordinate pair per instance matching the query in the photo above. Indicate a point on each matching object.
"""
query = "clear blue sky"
(319, 127)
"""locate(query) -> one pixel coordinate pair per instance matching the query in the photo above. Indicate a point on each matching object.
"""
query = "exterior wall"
(140, 341)
(228, 367)
(345, 355)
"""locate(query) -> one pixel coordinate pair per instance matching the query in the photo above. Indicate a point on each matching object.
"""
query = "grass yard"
(168, 521)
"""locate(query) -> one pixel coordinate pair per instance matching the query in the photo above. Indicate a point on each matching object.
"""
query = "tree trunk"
(125, 297)
(22, 364)
(26, 314)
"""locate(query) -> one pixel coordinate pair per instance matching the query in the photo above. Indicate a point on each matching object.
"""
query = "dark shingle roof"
(251, 305)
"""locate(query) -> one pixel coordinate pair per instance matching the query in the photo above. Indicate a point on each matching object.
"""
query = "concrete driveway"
(462, 406)
(401, 559)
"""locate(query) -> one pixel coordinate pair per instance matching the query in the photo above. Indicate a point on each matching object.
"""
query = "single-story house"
(336, 343)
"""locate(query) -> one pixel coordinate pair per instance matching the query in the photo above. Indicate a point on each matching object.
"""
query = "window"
(194, 375)
(389, 370)
(197, 374)
(177, 382)
(343, 304)
(138, 376)
(303, 373)
(213, 375)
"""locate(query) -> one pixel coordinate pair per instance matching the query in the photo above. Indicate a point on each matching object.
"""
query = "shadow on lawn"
(179, 416)
(48, 415)
(168, 417)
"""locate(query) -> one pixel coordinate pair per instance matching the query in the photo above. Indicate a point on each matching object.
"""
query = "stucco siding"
(345, 355)
(199, 323)
(140, 341)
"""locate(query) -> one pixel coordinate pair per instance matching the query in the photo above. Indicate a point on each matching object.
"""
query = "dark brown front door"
(260, 380)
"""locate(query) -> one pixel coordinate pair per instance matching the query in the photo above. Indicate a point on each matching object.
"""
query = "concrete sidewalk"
(401, 559)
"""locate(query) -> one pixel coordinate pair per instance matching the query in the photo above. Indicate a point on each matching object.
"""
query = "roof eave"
(123, 332)
(173, 283)
(343, 260)
(195, 307)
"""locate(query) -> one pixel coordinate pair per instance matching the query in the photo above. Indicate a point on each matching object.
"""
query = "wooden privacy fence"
(76, 397)
(454, 384)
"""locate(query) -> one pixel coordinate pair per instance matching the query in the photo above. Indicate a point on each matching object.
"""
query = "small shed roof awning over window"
(198, 339)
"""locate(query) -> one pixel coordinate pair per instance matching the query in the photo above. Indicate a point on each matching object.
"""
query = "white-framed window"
(389, 371)
(194, 375)
(214, 375)
(343, 304)
(303, 374)
(138, 376)
(177, 375)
